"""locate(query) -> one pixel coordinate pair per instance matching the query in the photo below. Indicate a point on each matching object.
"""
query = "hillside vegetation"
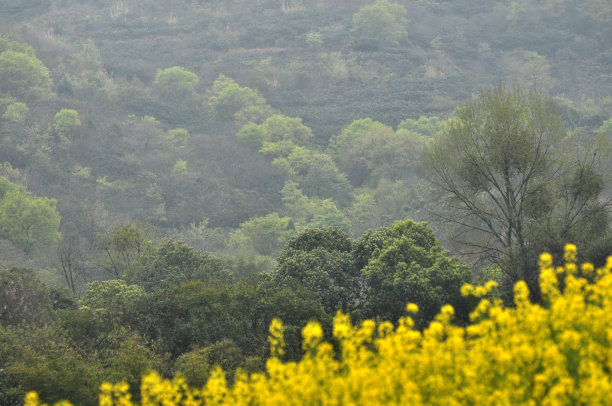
(177, 175)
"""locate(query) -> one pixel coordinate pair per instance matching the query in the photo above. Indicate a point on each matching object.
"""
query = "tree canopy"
(23, 76)
(407, 264)
(177, 84)
(173, 263)
(321, 261)
(507, 182)
(30, 222)
(380, 23)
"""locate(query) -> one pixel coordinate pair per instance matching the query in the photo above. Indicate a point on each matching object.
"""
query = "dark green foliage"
(329, 239)
(56, 374)
(114, 299)
(259, 299)
(322, 262)
(411, 267)
(367, 244)
(62, 298)
(23, 298)
(130, 360)
(195, 365)
(173, 263)
(195, 315)
(190, 315)
(79, 347)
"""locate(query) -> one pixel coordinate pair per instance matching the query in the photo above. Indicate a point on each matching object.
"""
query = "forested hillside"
(222, 122)
(176, 174)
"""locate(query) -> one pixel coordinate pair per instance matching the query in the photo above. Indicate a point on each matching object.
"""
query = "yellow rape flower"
(570, 253)
(412, 308)
(312, 334)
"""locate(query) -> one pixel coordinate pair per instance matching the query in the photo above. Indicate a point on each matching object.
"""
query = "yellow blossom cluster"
(555, 353)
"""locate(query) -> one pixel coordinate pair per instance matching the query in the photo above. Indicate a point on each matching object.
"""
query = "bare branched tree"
(72, 265)
(511, 182)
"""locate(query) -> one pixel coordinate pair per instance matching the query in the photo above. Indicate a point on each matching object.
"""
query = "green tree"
(195, 365)
(258, 299)
(347, 150)
(175, 79)
(57, 373)
(425, 126)
(311, 212)
(368, 151)
(114, 298)
(322, 262)
(530, 70)
(23, 298)
(406, 264)
(180, 168)
(16, 112)
(190, 315)
(354, 132)
(316, 174)
(173, 263)
(177, 85)
(122, 246)
(31, 223)
(228, 101)
(66, 124)
(180, 136)
(511, 183)
(7, 186)
(379, 24)
(23, 76)
(277, 135)
(9, 45)
(130, 360)
(265, 234)
(363, 214)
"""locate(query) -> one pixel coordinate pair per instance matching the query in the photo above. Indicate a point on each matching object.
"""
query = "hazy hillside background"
(165, 150)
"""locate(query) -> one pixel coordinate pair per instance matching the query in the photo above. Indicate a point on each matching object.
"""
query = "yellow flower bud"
(587, 269)
(412, 308)
(570, 253)
(466, 289)
(546, 260)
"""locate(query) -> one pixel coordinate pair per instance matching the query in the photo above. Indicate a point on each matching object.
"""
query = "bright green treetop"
(175, 80)
(230, 101)
(28, 222)
(16, 112)
(23, 76)
(378, 24)
(66, 121)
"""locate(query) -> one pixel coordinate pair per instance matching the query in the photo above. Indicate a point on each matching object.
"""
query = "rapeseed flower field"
(554, 353)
